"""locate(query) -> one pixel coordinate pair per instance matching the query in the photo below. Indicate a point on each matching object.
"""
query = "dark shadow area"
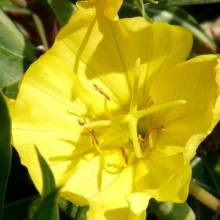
(19, 185)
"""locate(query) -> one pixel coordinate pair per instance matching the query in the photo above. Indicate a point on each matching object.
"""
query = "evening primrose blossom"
(116, 111)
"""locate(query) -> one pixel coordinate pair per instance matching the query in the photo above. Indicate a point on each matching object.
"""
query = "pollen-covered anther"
(141, 142)
(148, 136)
(101, 91)
(94, 139)
(150, 100)
(124, 156)
(163, 127)
(81, 122)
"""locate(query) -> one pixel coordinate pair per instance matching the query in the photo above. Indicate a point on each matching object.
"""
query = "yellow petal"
(163, 177)
(197, 82)
(138, 203)
(89, 43)
(88, 76)
(109, 7)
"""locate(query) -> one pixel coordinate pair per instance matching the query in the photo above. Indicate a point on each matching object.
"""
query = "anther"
(94, 139)
(142, 140)
(125, 158)
(81, 122)
(162, 127)
(101, 91)
(150, 100)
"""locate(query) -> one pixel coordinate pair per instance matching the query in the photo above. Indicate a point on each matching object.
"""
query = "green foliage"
(184, 2)
(5, 150)
(47, 207)
(171, 211)
(75, 212)
(18, 210)
(16, 54)
(206, 174)
(62, 15)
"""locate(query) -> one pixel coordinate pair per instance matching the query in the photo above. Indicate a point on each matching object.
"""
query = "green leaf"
(48, 208)
(67, 207)
(141, 7)
(16, 53)
(81, 214)
(179, 17)
(62, 13)
(11, 91)
(13, 40)
(48, 178)
(74, 211)
(5, 150)
(8, 5)
(11, 67)
(201, 175)
(212, 164)
(171, 211)
(184, 2)
(18, 210)
(200, 210)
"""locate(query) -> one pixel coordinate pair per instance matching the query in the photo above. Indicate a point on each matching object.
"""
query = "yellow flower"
(108, 7)
(116, 112)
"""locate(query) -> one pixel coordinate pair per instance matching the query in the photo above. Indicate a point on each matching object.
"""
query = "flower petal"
(197, 82)
(109, 7)
(90, 42)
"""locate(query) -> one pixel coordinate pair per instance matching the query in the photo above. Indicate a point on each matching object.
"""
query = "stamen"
(153, 109)
(134, 95)
(149, 136)
(81, 122)
(101, 91)
(133, 135)
(96, 144)
(102, 123)
(124, 156)
(141, 142)
(150, 100)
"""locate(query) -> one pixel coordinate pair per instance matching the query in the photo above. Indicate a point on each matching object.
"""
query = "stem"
(204, 197)
(184, 2)
(41, 31)
(45, 22)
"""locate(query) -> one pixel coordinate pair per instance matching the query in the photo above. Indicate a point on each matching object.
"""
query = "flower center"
(131, 119)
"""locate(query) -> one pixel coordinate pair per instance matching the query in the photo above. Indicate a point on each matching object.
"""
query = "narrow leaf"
(13, 40)
(16, 53)
(47, 209)
(141, 7)
(11, 67)
(185, 2)
(5, 150)
(48, 178)
(62, 13)
(18, 210)
(72, 210)
(67, 207)
(212, 164)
